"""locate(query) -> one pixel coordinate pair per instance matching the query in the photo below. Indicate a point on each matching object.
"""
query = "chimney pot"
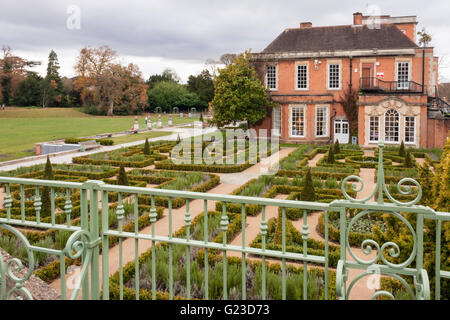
(305, 25)
(357, 18)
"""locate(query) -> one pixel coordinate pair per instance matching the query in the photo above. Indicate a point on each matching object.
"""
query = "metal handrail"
(376, 84)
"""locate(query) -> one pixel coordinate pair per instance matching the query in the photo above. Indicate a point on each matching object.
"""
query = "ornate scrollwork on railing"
(391, 248)
(381, 187)
(77, 244)
(13, 267)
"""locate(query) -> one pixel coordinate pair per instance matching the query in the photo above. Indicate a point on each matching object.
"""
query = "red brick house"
(306, 71)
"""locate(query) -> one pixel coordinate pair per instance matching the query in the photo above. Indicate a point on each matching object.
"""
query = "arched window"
(391, 126)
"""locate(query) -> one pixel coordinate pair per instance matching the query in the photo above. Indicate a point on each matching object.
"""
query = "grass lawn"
(21, 128)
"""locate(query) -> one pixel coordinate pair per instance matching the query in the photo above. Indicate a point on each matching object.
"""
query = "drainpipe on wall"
(423, 70)
(351, 69)
(331, 126)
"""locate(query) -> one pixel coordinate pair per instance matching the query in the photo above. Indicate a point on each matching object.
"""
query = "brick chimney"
(357, 18)
(304, 25)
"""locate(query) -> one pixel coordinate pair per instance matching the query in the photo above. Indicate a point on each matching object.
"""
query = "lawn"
(21, 128)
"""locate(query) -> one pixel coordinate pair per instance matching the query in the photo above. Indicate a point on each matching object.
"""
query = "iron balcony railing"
(375, 85)
(93, 233)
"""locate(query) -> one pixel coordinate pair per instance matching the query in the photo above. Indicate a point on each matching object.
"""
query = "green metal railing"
(88, 236)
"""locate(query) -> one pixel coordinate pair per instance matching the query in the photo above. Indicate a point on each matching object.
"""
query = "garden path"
(162, 225)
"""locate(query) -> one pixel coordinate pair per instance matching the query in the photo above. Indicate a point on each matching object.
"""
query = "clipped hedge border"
(51, 271)
(314, 247)
(103, 142)
(179, 202)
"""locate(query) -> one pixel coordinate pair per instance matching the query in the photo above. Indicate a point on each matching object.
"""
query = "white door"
(341, 131)
(276, 121)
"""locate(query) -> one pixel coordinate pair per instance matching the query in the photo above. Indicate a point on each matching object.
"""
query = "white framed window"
(302, 77)
(403, 75)
(298, 125)
(271, 77)
(322, 121)
(391, 126)
(410, 129)
(374, 128)
(276, 123)
(334, 76)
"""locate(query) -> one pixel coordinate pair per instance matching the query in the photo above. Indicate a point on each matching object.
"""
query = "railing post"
(93, 227)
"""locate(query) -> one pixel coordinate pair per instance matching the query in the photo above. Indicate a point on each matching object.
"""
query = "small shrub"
(401, 151)
(123, 179)
(308, 193)
(408, 160)
(146, 147)
(337, 147)
(330, 158)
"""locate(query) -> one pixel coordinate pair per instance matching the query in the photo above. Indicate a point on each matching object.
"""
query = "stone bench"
(104, 135)
(87, 145)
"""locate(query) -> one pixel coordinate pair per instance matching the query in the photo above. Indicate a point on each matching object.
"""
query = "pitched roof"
(339, 38)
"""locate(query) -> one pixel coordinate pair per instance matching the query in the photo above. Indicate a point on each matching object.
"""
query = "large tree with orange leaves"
(13, 70)
(106, 83)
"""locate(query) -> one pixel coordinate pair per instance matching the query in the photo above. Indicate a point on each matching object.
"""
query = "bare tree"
(227, 58)
(212, 66)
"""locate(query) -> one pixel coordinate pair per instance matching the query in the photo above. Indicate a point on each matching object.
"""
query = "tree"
(122, 179)
(29, 91)
(308, 193)
(203, 86)
(401, 151)
(103, 82)
(166, 75)
(239, 94)
(441, 183)
(424, 38)
(227, 58)
(52, 86)
(330, 157)
(349, 101)
(212, 66)
(408, 160)
(201, 117)
(13, 70)
(337, 147)
(168, 95)
(45, 197)
(146, 147)
(426, 182)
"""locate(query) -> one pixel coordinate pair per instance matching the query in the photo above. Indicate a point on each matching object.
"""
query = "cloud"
(185, 32)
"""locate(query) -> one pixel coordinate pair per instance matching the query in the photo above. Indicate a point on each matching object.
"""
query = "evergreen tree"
(52, 87)
(123, 179)
(239, 94)
(146, 147)
(337, 147)
(45, 196)
(278, 234)
(330, 158)
(426, 182)
(308, 193)
(408, 160)
(401, 151)
(441, 183)
(201, 117)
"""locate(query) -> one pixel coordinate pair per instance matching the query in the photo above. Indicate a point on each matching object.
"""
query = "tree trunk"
(111, 109)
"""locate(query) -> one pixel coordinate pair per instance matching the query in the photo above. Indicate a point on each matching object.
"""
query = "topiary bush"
(330, 158)
(337, 147)
(401, 151)
(146, 147)
(308, 193)
(122, 179)
(45, 197)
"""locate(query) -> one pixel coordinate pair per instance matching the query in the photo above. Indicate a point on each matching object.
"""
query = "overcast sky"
(182, 34)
